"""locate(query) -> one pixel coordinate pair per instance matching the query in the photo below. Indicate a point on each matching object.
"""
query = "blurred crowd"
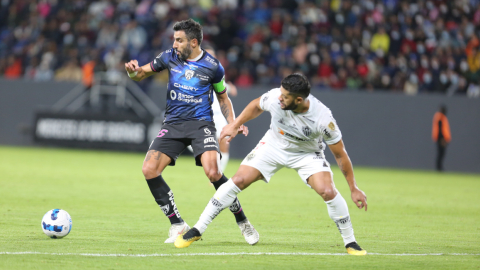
(371, 45)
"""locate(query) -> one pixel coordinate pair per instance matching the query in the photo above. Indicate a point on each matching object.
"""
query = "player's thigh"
(210, 161)
(309, 164)
(171, 147)
(322, 183)
(266, 158)
(245, 176)
(203, 139)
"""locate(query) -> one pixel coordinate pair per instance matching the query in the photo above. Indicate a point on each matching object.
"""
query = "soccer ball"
(56, 223)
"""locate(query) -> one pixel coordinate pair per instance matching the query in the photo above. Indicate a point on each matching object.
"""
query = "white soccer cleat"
(248, 231)
(176, 230)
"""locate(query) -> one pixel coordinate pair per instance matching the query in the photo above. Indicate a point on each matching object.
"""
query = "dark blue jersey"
(191, 86)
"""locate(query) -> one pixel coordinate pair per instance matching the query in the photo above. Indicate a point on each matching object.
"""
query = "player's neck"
(195, 53)
(302, 108)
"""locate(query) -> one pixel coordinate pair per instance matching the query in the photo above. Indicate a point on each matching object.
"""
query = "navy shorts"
(174, 138)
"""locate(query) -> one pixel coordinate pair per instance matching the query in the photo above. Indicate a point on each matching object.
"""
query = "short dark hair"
(297, 84)
(191, 28)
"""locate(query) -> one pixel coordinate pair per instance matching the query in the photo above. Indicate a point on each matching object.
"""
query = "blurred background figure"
(441, 135)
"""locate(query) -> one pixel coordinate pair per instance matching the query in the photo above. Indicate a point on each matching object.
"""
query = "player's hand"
(132, 66)
(243, 130)
(229, 132)
(359, 198)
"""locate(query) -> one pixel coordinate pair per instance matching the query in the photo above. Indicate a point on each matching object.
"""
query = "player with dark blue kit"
(194, 77)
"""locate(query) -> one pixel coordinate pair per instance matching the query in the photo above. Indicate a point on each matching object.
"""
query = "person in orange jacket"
(441, 135)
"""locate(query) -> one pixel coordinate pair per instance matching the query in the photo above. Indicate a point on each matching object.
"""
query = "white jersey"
(300, 132)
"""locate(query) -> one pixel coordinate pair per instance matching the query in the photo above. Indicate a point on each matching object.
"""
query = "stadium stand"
(383, 45)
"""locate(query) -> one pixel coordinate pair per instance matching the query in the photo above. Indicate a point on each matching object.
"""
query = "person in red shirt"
(441, 135)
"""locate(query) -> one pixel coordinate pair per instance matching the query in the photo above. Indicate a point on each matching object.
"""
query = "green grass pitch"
(113, 212)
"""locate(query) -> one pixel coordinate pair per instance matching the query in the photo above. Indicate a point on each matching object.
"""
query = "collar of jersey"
(196, 58)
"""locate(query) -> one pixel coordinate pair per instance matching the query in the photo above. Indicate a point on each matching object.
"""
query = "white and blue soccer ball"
(56, 223)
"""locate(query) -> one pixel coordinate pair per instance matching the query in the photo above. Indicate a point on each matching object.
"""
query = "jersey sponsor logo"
(158, 56)
(319, 155)
(189, 74)
(186, 87)
(308, 119)
(173, 94)
(211, 60)
(207, 131)
(331, 126)
(188, 98)
(165, 209)
(168, 51)
(306, 131)
(209, 139)
(184, 97)
(202, 77)
(174, 70)
(292, 136)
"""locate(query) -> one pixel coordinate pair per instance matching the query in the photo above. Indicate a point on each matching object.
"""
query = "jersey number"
(162, 133)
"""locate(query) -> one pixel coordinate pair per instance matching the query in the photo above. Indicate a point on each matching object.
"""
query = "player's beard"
(290, 107)
(186, 52)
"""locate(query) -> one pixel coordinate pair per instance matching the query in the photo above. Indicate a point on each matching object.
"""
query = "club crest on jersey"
(189, 74)
(306, 131)
(207, 131)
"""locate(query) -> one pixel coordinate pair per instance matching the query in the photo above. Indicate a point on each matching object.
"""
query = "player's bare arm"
(345, 165)
(227, 110)
(250, 112)
(141, 73)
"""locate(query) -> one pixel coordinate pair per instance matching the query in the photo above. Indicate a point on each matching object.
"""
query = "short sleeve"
(218, 81)
(269, 98)
(331, 131)
(161, 61)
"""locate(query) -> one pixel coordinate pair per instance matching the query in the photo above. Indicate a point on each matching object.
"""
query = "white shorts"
(268, 159)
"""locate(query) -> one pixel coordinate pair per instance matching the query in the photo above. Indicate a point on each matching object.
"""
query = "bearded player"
(299, 124)
(194, 77)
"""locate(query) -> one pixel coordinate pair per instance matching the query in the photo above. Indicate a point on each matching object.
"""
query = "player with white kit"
(299, 124)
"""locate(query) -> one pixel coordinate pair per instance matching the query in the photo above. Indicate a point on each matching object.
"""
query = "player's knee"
(149, 171)
(328, 193)
(213, 174)
(240, 181)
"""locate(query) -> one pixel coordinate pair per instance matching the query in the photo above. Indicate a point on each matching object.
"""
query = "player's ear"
(194, 42)
(298, 99)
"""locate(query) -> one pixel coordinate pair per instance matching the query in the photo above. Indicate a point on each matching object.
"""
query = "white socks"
(224, 161)
(338, 211)
(222, 199)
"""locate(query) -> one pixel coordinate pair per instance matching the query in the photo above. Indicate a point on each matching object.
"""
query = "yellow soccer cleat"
(186, 239)
(354, 249)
